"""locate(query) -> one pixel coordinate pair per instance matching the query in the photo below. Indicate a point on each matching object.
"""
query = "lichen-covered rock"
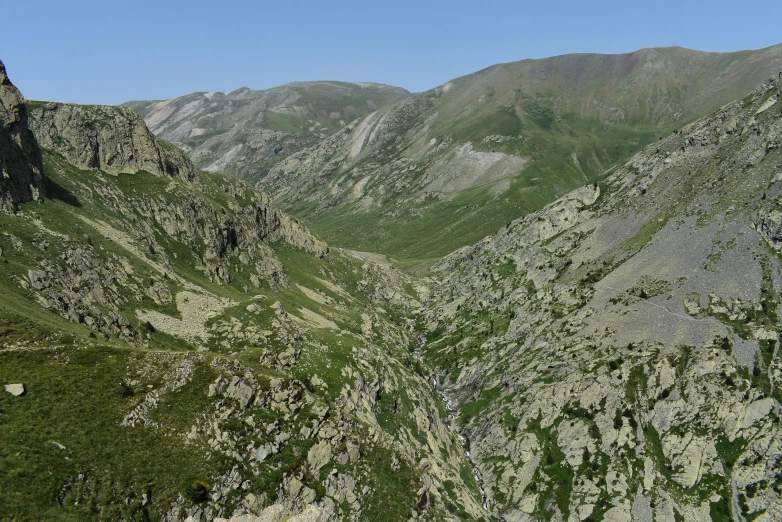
(278, 513)
(15, 389)
(21, 166)
(108, 138)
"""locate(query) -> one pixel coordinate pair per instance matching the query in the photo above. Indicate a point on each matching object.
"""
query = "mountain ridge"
(177, 348)
(246, 131)
(494, 145)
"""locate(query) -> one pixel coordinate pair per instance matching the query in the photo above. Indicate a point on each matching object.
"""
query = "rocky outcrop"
(278, 513)
(21, 167)
(112, 139)
(15, 389)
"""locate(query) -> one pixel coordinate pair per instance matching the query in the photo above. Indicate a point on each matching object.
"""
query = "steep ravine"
(449, 403)
(173, 347)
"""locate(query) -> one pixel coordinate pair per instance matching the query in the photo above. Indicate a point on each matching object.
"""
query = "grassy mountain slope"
(614, 355)
(443, 168)
(189, 352)
(246, 131)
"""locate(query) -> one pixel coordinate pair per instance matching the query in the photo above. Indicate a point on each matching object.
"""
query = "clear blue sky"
(113, 51)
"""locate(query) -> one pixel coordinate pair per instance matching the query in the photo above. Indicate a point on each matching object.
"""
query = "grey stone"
(15, 389)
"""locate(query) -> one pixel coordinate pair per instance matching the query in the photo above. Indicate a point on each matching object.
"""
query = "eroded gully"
(451, 406)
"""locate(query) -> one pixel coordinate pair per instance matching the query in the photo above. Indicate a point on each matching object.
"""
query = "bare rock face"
(21, 167)
(112, 139)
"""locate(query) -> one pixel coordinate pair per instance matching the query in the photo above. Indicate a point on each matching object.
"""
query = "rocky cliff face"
(112, 139)
(21, 168)
(615, 354)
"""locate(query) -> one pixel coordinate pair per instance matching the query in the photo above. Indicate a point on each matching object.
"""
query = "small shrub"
(198, 490)
(125, 389)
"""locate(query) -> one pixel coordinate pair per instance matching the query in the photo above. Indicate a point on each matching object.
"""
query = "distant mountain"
(443, 168)
(246, 131)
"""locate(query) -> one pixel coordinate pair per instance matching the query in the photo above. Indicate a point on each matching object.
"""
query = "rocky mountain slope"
(614, 355)
(246, 132)
(173, 347)
(443, 168)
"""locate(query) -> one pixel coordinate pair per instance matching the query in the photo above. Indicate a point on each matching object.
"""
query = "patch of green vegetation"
(717, 252)
(730, 451)
(510, 421)
(466, 474)
(649, 230)
(390, 499)
(653, 444)
(635, 387)
(473, 409)
(555, 466)
(81, 389)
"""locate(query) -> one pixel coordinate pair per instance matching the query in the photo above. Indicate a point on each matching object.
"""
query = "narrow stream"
(452, 410)
(451, 407)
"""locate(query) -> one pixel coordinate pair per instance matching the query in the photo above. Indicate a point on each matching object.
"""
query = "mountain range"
(545, 291)
(439, 170)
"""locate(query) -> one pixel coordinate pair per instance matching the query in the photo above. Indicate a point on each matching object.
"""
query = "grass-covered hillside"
(444, 168)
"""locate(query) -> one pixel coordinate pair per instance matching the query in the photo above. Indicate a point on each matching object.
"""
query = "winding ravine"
(451, 408)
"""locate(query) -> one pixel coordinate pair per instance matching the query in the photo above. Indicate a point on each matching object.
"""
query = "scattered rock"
(15, 389)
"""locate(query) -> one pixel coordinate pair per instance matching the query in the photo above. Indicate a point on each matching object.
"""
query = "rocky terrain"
(444, 168)
(246, 132)
(614, 356)
(111, 139)
(174, 347)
